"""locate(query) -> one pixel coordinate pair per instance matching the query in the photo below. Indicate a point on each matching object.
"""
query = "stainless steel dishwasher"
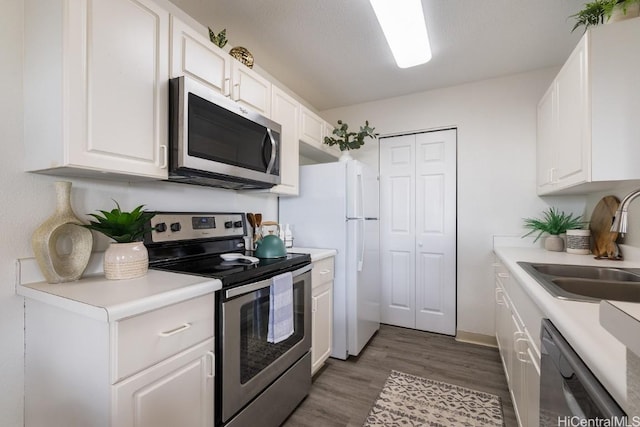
(569, 392)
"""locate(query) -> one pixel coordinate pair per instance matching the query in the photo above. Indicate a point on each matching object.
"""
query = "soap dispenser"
(288, 237)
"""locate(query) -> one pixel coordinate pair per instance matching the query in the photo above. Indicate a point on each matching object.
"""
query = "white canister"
(579, 242)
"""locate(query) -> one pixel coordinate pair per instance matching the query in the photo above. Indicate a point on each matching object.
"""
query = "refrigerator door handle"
(362, 241)
(361, 193)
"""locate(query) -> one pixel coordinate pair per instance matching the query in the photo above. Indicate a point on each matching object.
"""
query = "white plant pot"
(345, 156)
(618, 12)
(126, 261)
(579, 242)
(554, 243)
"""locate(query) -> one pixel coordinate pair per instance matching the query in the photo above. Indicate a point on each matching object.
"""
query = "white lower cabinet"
(519, 350)
(175, 392)
(322, 312)
(154, 369)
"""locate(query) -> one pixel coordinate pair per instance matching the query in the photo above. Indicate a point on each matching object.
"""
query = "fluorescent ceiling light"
(402, 22)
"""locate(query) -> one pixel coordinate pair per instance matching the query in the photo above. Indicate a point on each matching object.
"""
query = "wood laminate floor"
(344, 391)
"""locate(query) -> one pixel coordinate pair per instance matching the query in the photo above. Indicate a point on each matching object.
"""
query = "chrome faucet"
(620, 219)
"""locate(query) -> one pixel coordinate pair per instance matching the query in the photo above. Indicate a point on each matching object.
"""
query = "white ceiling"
(332, 52)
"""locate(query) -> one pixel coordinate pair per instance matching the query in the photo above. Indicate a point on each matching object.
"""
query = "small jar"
(579, 242)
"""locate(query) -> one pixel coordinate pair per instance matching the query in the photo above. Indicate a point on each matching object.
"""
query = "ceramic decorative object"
(62, 248)
(243, 55)
(126, 260)
(579, 242)
(554, 243)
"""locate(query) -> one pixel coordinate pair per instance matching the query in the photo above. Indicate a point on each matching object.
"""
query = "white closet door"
(436, 232)
(397, 230)
(418, 231)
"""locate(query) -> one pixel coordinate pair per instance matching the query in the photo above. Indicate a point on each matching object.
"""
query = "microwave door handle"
(274, 149)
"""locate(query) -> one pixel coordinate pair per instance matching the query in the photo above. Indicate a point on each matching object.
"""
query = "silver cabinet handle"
(177, 330)
(164, 157)
(211, 357)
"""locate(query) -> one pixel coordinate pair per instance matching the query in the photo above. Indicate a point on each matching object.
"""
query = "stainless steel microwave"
(215, 141)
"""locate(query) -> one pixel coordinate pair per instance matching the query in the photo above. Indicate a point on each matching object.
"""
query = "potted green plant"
(126, 257)
(600, 11)
(349, 140)
(553, 223)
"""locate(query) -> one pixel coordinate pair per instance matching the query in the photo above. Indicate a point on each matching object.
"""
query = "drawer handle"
(503, 275)
(323, 272)
(177, 330)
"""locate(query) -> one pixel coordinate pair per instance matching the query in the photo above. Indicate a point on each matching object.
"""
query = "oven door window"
(256, 353)
(225, 137)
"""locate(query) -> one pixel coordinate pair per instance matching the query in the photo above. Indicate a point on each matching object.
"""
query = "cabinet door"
(545, 154)
(516, 376)
(328, 131)
(194, 55)
(285, 111)
(117, 86)
(311, 127)
(573, 134)
(251, 89)
(531, 392)
(321, 325)
(503, 328)
(177, 392)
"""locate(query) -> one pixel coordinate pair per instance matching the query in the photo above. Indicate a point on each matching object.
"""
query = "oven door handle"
(252, 287)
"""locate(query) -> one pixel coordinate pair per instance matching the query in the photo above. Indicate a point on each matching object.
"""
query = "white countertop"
(109, 300)
(579, 322)
(317, 254)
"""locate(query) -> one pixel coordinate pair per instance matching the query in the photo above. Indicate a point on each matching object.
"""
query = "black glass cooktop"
(233, 273)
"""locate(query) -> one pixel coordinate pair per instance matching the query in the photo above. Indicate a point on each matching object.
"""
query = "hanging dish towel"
(281, 308)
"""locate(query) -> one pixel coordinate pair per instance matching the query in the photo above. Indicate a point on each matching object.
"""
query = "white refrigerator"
(338, 209)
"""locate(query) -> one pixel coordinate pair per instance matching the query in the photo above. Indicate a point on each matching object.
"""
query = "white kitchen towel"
(281, 308)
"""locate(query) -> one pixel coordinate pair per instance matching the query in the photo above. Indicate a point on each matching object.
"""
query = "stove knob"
(237, 224)
(228, 224)
(175, 226)
(161, 227)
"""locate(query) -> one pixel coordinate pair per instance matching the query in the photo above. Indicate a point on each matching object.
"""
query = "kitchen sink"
(586, 283)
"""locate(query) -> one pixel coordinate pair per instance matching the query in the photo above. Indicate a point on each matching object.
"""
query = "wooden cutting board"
(603, 241)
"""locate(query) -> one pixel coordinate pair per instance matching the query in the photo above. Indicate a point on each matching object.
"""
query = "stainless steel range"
(255, 378)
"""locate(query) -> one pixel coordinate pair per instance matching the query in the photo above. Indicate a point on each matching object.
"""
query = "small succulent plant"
(219, 39)
(123, 227)
(350, 140)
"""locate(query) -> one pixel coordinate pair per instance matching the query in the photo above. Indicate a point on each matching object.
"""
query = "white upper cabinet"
(194, 55)
(587, 132)
(250, 88)
(96, 88)
(285, 111)
(313, 129)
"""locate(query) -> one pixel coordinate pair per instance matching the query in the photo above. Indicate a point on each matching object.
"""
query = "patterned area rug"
(407, 400)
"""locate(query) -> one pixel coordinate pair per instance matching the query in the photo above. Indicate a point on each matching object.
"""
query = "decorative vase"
(62, 248)
(126, 260)
(554, 243)
(579, 242)
(345, 156)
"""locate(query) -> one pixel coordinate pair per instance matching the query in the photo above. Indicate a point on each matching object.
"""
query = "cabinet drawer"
(322, 272)
(143, 340)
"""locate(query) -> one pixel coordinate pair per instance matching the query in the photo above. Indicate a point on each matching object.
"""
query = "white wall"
(28, 199)
(496, 122)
